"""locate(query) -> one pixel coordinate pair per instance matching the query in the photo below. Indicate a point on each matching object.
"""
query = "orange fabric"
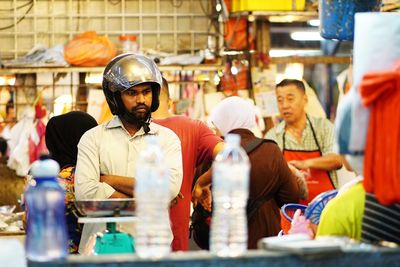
(236, 33)
(381, 92)
(105, 114)
(318, 181)
(89, 50)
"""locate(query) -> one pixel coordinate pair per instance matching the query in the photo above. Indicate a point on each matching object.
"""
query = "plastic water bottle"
(153, 230)
(46, 237)
(230, 190)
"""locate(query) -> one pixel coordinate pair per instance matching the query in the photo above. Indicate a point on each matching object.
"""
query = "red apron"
(319, 180)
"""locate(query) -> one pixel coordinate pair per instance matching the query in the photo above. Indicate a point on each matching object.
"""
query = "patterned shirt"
(66, 180)
(323, 129)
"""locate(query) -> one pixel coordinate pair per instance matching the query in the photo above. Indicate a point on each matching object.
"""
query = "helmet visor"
(130, 71)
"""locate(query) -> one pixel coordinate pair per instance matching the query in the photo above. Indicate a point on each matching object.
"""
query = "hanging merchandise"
(36, 141)
(18, 144)
(89, 50)
(337, 16)
(190, 90)
(235, 77)
(371, 29)
(236, 33)
(380, 91)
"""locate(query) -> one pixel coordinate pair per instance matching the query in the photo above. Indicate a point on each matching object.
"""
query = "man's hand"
(327, 162)
(202, 195)
(299, 164)
(301, 181)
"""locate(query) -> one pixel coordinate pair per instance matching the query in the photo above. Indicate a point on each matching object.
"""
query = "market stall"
(305, 91)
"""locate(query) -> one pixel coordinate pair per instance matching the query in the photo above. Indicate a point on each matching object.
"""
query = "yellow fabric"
(105, 114)
(343, 215)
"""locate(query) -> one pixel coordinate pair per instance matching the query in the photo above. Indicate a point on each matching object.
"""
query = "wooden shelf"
(309, 60)
(26, 70)
(203, 67)
(280, 16)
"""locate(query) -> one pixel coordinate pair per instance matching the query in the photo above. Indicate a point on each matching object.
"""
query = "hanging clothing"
(19, 145)
(381, 92)
(381, 53)
(319, 180)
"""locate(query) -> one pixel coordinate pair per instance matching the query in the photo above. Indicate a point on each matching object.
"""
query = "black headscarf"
(63, 134)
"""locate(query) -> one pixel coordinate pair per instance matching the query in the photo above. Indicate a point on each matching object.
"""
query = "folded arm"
(124, 185)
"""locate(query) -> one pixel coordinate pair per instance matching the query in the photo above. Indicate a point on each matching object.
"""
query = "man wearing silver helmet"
(107, 153)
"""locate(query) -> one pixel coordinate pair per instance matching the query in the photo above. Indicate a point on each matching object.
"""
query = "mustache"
(141, 106)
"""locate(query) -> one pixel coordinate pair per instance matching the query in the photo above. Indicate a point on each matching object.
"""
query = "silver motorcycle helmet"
(126, 71)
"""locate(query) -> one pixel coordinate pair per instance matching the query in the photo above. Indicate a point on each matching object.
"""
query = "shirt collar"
(116, 122)
(281, 126)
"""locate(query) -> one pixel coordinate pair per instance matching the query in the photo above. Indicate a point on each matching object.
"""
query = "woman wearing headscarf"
(62, 137)
(271, 180)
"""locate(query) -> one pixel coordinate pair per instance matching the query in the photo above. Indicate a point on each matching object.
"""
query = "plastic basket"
(317, 205)
(287, 212)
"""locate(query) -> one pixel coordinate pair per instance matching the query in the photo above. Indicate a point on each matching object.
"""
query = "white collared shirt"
(109, 149)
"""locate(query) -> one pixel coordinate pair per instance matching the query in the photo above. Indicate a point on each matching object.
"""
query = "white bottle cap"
(232, 139)
(45, 167)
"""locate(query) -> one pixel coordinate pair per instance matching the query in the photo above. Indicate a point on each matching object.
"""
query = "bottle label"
(230, 181)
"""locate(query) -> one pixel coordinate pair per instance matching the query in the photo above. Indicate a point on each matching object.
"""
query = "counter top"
(379, 257)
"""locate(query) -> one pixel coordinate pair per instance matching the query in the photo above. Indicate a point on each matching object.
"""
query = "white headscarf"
(233, 113)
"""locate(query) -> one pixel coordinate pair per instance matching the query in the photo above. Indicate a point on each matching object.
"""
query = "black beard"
(133, 117)
(140, 116)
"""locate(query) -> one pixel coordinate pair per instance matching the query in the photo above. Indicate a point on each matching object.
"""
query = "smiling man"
(107, 154)
(306, 142)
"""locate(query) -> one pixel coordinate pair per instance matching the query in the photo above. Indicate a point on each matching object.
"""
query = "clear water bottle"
(153, 231)
(230, 190)
(46, 233)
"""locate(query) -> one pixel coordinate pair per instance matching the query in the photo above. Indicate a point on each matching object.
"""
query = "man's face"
(137, 100)
(291, 102)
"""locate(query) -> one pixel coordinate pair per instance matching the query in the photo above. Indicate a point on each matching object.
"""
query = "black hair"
(3, 146)
(286, 82)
